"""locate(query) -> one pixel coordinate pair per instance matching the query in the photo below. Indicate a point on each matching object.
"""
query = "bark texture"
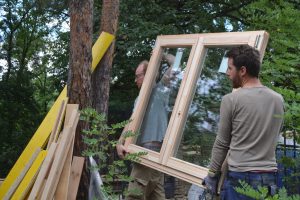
(79, 79)
(102, 74)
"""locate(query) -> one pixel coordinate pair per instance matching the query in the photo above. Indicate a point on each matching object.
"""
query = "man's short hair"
(247, 56)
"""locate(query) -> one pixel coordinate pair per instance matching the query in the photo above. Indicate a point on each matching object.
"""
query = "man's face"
(139, 76)
(233, 74)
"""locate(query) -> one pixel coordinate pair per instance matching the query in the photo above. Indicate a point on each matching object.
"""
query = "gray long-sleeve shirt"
(250, 122)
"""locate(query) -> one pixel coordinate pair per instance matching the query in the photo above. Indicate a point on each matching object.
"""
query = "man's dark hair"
(247, 56)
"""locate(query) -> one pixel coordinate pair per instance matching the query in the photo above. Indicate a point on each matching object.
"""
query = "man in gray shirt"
(250, 121)
(148, 181)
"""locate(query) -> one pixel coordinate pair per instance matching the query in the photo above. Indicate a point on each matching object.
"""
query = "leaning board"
(29, 178)
(40, 137)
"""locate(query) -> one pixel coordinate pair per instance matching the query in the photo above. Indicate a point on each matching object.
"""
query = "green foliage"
(291, 181)
(135, 191)
(100, 144)
(262, 193)
(140, 22)
(19, 115)
(29, 81)
(280, 69)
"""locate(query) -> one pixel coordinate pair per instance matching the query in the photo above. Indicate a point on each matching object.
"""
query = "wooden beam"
(42, 134)
(18, 180)
(63, 183)
(58, 122)
(29, 178)
(76, 170)
(61, 192)
(69, 109)
(38, 140)
(61, 155)
(43, 172)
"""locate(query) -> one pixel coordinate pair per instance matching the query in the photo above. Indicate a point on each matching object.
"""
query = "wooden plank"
(194, 178)
(184, 42)
(40, 137)
(43, 172)
(42, 187)
(76, 170)
(61, 192)
(69, 109)
(62, 150)
(22, 174)
(38, 140)
(29, 178)
(57, 125)
(175, 167)
(63, 183)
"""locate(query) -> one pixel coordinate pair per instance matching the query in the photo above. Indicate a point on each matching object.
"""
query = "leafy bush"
(100, 144)
(262, 193)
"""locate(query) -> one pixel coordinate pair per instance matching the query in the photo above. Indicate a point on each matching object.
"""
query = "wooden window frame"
(164, 160)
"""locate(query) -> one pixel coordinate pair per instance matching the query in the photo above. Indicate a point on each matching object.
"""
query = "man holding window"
(147, 181)
(250, 122)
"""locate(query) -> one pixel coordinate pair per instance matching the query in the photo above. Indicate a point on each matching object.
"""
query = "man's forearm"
(219, 153)
(122, 136)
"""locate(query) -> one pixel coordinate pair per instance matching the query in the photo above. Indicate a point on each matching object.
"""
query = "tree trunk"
(79, 79)
(102, 74)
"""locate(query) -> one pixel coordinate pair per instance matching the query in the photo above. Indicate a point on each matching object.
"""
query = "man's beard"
(236, 82)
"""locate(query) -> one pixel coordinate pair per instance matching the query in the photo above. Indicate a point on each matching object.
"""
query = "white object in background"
(95, 189)
(196, 193)
(224, 65)
(177, 59)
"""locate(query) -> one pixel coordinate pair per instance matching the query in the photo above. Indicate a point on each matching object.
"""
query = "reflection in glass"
(201, 126)
(162, 98)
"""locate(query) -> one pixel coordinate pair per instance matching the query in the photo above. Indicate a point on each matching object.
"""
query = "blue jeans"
(254, 179)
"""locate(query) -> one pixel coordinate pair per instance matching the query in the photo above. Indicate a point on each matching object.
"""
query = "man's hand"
(121, 150)
(211, 184)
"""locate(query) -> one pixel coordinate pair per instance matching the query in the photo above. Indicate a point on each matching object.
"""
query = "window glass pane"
(162, 98)
(203, 116)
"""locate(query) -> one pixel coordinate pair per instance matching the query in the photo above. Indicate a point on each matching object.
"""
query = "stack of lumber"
(53, 172)
(46, 168)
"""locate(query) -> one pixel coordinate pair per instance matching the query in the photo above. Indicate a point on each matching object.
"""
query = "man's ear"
(243, 70)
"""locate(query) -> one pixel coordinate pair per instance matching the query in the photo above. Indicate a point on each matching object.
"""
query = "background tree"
(79, 83)
(102, 75)
(26, 31)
